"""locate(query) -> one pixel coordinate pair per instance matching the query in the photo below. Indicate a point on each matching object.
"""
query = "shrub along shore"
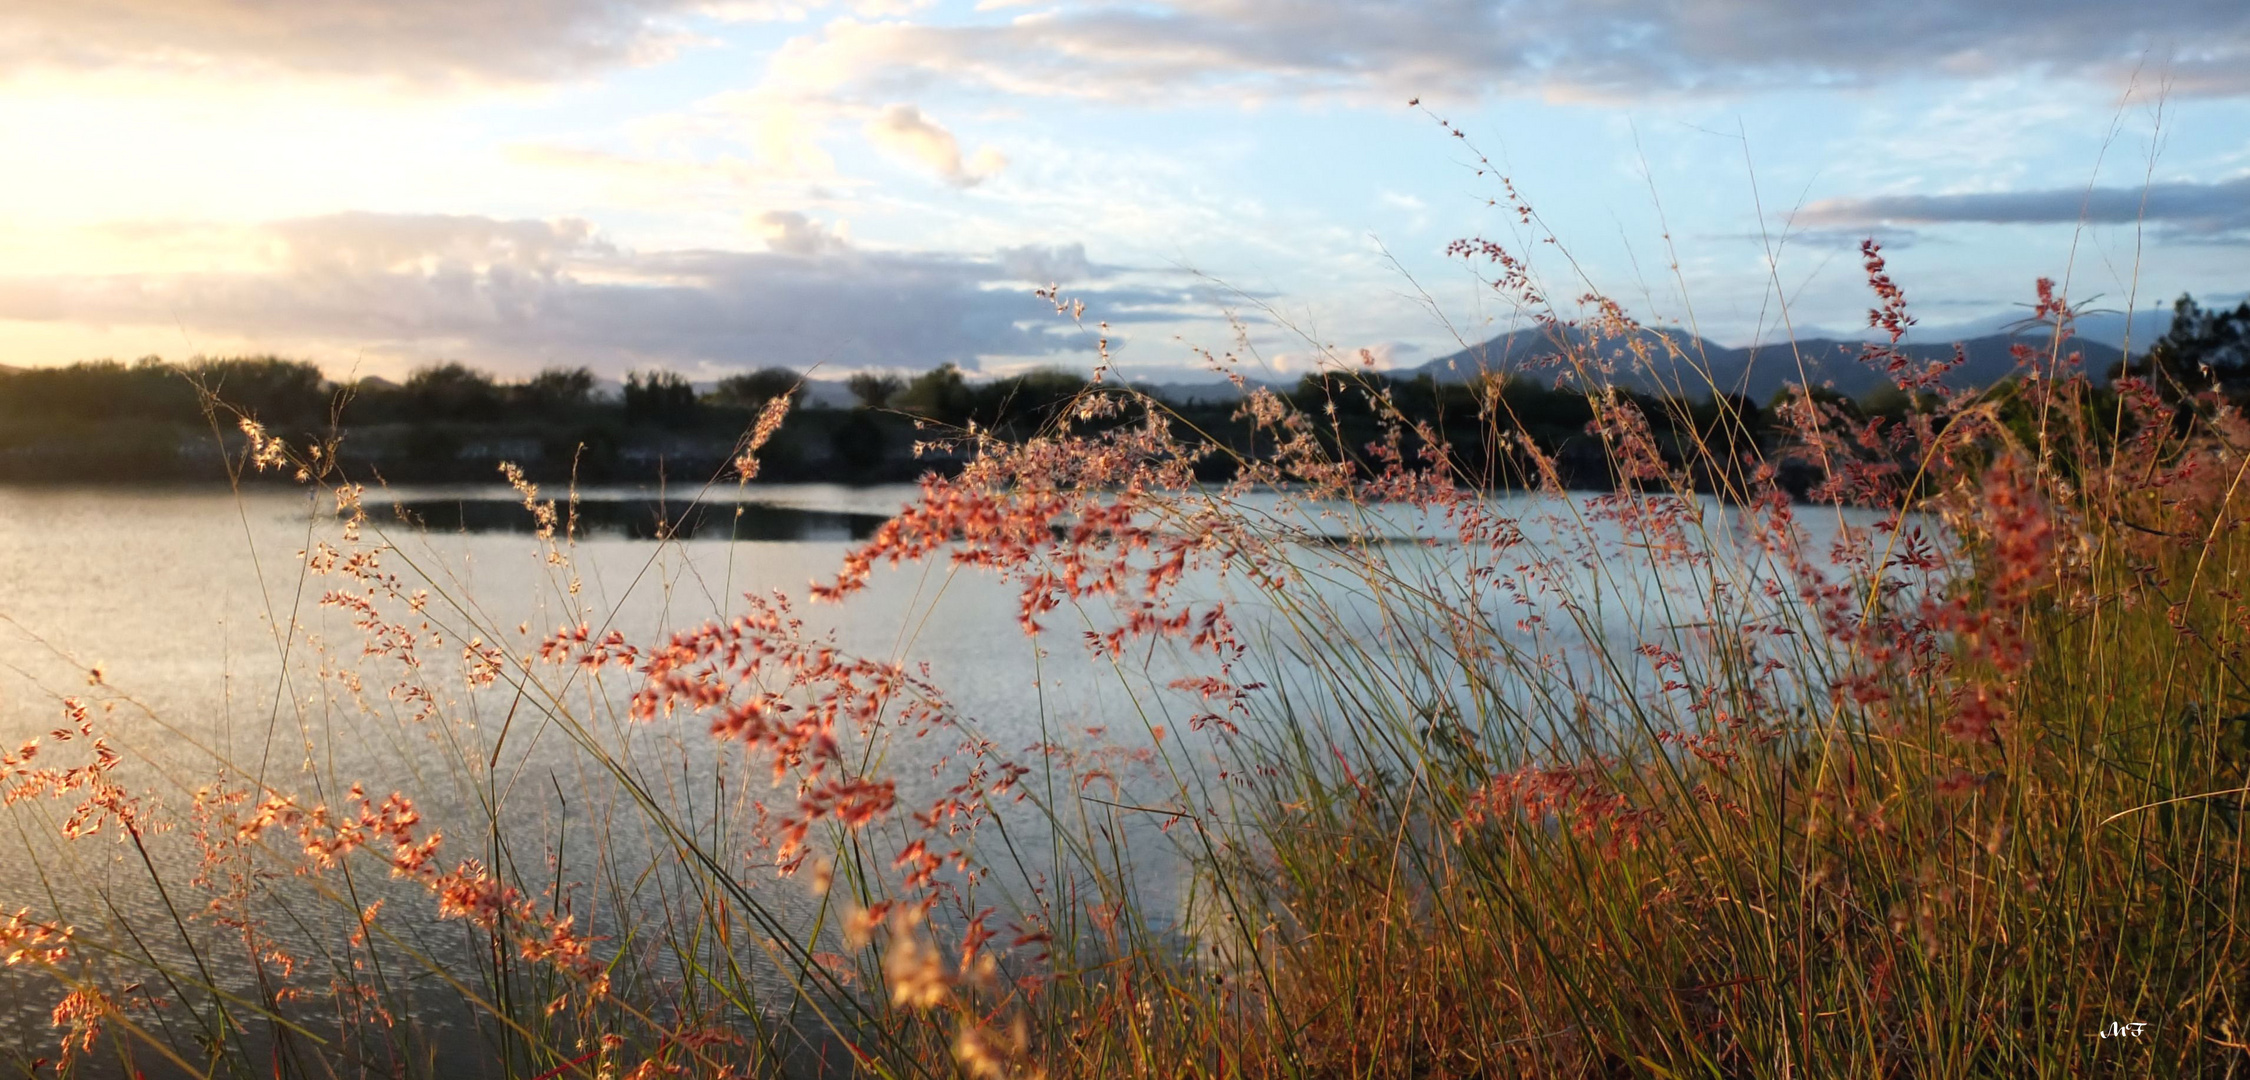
(151, 421)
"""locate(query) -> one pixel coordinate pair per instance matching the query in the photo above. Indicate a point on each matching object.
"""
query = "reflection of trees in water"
(649, 519)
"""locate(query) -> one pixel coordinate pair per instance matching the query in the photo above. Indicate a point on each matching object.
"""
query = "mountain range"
(1757, 371)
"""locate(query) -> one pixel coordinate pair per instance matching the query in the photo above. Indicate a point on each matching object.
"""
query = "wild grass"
(1936, 771)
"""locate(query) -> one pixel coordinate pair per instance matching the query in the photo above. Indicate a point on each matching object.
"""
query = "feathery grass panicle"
(1824, 744)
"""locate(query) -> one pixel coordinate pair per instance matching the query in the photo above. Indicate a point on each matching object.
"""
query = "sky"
(713, 186)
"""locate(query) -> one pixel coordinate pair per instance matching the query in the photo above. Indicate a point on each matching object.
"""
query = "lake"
(214, 647)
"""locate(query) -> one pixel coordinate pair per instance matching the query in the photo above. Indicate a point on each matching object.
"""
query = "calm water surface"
(213, 643)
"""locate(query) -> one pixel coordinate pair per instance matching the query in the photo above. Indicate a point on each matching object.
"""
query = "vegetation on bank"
(1831, 739)
(150, 420)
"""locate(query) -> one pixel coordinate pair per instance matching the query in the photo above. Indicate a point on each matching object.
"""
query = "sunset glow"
(717, 186)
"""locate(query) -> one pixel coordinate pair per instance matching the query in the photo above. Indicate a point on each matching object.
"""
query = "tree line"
(155, 420)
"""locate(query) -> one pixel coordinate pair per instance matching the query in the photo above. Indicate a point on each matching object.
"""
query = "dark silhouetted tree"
(874, 391)
(941, 395)
(2205, 349)
(268, 389)
(658, 397)
(753, 390)
(453, 391)
(556, 391)
(1020, 404)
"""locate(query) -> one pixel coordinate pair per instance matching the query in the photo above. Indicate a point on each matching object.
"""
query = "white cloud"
(903, 131)
(792, 233)
(1186, 52)
(514, 294)
(415, 40)
(759, 10)
(364, 243)
(1172, 50)
(2187, 210)
(1059, 265)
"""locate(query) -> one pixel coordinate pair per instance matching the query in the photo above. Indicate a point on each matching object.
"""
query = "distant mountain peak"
(1670, 361)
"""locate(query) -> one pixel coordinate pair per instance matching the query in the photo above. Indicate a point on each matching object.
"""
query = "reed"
(1934, 768)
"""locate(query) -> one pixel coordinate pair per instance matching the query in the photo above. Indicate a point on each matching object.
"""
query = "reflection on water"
(200, 606)
(645, 519)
